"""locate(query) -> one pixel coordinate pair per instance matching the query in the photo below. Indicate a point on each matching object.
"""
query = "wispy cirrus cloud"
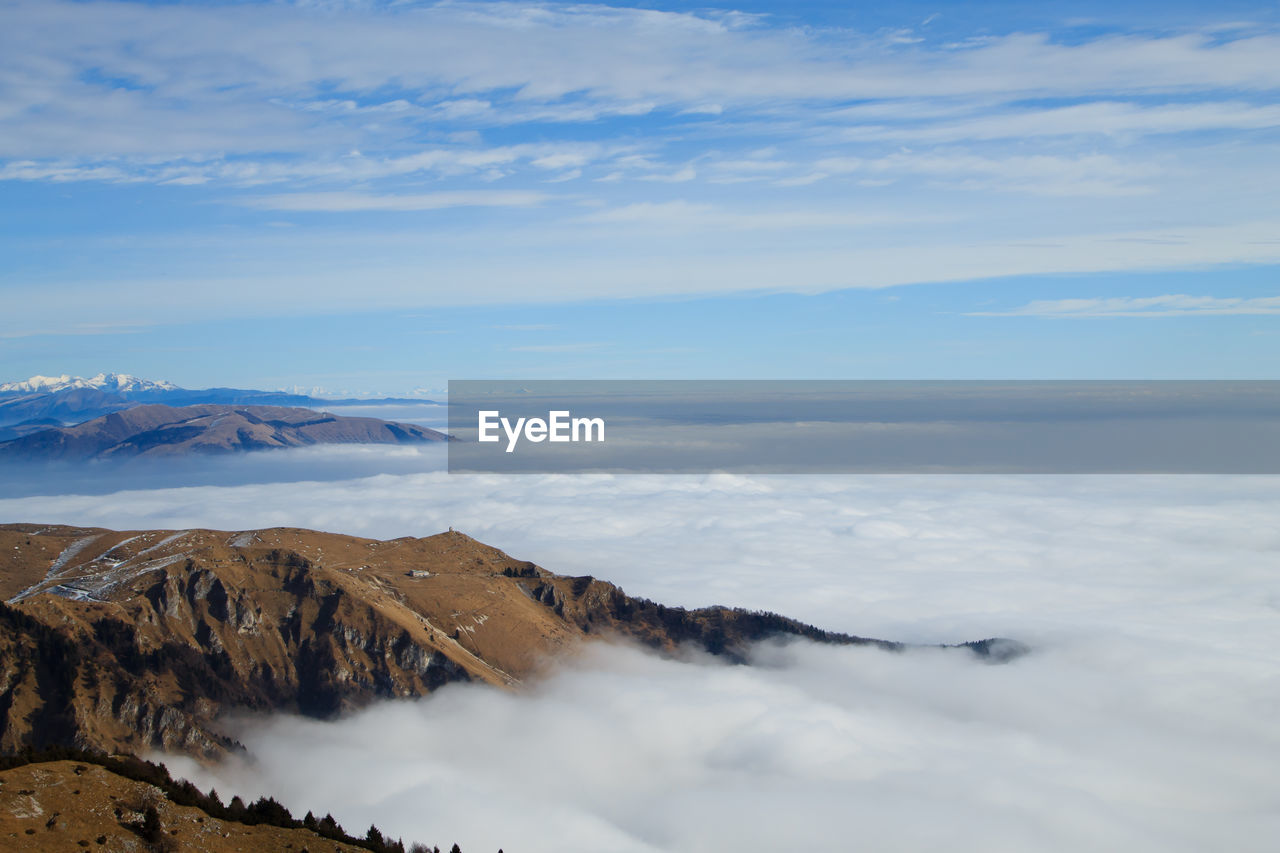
(410, 269)
(74, 330)
(1042, 174)
(458, 160)
(567, 347)
(786, 153)
(85, 82)
(1170, 305)
(1107, 118)
(685, 214)
(353, 202)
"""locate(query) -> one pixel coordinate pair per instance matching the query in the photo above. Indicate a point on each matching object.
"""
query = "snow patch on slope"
(69, 553)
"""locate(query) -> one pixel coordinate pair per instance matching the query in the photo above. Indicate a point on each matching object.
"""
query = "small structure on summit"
(419, 573)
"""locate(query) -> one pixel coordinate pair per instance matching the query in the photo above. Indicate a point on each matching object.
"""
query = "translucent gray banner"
(784, 426)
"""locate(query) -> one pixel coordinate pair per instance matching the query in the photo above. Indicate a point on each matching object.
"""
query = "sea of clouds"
(1144, 719)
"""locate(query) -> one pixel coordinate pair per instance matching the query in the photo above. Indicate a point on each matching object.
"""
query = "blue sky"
(377, 197)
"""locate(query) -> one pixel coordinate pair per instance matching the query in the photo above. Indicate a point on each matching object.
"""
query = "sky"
(1142, 719)
(376, 197)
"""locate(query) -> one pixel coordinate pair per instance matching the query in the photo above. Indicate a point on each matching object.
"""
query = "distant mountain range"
(42, 402)
(121, 383)
(166, 431)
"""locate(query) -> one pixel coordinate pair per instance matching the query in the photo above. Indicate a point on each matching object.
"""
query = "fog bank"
(1144, 719)
(1093, 744)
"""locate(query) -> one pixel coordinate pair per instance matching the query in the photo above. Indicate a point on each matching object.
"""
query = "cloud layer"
(913, 558)
(1141, 720)
(809, 749)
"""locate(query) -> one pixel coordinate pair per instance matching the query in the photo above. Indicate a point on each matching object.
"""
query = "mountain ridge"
(66, 400)
(154, 430)
(128, 641)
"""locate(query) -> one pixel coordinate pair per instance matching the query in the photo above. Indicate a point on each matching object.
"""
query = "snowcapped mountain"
(49, 401)
(106, 382)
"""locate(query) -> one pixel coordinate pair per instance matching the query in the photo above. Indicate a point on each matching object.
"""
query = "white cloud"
(780, 139)
(413, 270)
(84, 81)
(458, 160)
(891, 556)
(751, 165)
(561, 160)
(1072, 749)
(685, 214)
(1044, 174)
(349, 202)
(570, 347)
(462, 107)
(1103, 117)
(679, 176)
(1170, 305)
(1141, 719)
(571, 175)
(74, 329)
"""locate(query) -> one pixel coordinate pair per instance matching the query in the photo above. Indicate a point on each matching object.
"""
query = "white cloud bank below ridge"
(1142, 721)
(811, 749)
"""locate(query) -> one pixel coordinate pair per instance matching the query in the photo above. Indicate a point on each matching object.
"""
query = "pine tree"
(236, 809)
(151, 830)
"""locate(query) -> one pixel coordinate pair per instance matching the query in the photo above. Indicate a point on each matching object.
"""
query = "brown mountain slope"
(126, 641)
(166, 431)
(66, 805)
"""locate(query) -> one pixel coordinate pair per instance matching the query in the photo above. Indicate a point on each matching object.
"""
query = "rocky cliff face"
(129, 641)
